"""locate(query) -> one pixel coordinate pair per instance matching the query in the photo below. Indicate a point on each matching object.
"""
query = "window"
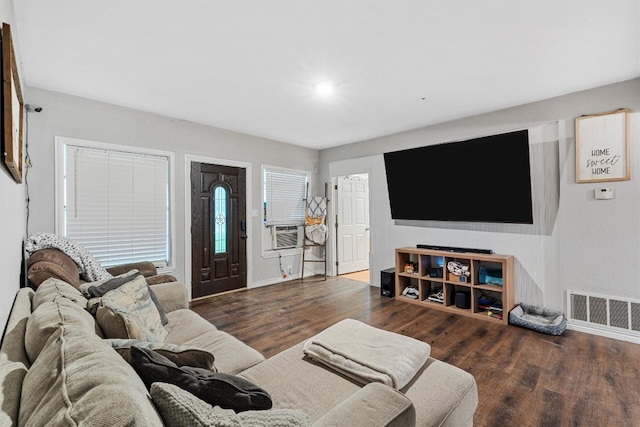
(115, 201)
(220, 219)
(284, 208)
(284, 196)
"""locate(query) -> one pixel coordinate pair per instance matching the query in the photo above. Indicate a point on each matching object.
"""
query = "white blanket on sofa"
(367, 354)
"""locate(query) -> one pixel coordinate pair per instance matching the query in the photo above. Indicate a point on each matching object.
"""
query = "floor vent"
(620, 315)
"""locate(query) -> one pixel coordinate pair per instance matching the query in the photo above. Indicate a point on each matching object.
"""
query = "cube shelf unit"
(430, 275)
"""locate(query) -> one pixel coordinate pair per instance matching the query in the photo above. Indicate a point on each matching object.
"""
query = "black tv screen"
(484, 179)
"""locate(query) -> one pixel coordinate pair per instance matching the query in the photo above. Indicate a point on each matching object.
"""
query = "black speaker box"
(463, 299)
(388, 282)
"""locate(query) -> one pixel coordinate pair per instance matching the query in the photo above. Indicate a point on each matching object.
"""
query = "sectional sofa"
(71, 359)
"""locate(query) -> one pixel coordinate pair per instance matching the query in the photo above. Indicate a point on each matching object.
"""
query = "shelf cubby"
(490, 276)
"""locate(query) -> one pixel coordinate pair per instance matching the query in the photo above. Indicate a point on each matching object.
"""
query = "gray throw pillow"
(179, 354)
(217, 389)
(178, 407)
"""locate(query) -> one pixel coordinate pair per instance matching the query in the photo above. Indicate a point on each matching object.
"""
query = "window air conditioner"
(285, 236)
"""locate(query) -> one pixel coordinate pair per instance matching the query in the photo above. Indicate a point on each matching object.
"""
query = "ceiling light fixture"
(323, 88)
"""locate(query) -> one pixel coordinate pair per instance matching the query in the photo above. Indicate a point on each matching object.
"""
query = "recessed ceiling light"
(323, 88)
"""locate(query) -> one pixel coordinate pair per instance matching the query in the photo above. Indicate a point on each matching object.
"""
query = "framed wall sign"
(12, 108)
(602, 147)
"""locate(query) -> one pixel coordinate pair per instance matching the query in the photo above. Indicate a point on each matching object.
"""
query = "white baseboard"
(604, 333)
(273, 281)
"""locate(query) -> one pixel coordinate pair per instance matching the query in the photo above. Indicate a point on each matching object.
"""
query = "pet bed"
(538, 319)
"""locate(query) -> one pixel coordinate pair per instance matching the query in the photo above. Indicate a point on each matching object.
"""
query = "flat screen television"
(484, 179)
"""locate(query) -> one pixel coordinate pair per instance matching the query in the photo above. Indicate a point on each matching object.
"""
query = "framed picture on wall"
(602, 147)
(12, 108)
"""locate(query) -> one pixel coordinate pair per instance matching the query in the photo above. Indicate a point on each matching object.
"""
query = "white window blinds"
(284, 196)
(116, 204)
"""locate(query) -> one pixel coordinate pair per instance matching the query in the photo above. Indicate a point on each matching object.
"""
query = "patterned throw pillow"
(180, 408)
(218, 389)
(99, 288)
(129, 312)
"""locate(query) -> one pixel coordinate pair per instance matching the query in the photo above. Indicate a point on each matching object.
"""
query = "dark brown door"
(218, 229)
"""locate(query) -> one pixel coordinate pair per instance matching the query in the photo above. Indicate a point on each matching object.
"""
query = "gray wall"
(74, 117)
(588, 245)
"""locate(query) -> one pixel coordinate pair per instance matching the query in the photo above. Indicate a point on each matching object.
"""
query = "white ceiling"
(249, 65)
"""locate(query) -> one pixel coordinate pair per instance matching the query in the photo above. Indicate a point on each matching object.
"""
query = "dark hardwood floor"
(524, 378)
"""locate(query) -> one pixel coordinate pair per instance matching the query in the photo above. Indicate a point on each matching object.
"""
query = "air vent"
(619, 315)
(285, 236)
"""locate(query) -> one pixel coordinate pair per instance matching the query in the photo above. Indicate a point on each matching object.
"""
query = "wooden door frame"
(188, 158)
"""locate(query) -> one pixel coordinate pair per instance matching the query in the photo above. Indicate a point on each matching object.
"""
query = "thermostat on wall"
(603, 193)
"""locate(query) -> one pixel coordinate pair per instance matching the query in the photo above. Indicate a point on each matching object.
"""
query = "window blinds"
(285, 192)
(117, 204)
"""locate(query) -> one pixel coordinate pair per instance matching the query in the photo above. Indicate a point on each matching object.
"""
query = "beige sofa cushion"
(445, 393)
(13, 358)
(377, 403)
(172, 295)
(11, 377)
(53, 288)
(78, 379)
(296, 382)
(232, 355)
(12, 349)
(187, 328)
(176, 331)
(442, 394)
(44, 321)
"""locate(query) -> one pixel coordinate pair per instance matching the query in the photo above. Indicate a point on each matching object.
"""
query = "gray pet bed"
(538, 319)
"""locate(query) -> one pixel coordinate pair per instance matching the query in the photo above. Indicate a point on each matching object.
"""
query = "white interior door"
(353, 223)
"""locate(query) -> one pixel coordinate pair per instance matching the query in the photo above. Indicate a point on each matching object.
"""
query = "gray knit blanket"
(90, 269)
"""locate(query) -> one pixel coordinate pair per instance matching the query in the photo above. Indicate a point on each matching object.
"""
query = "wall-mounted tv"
(484, 179)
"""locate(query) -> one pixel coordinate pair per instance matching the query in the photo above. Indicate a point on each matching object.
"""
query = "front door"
(218, 229)
(353, 223)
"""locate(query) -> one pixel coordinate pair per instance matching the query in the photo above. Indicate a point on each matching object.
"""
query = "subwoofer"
(388, 282)
(463, 299)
